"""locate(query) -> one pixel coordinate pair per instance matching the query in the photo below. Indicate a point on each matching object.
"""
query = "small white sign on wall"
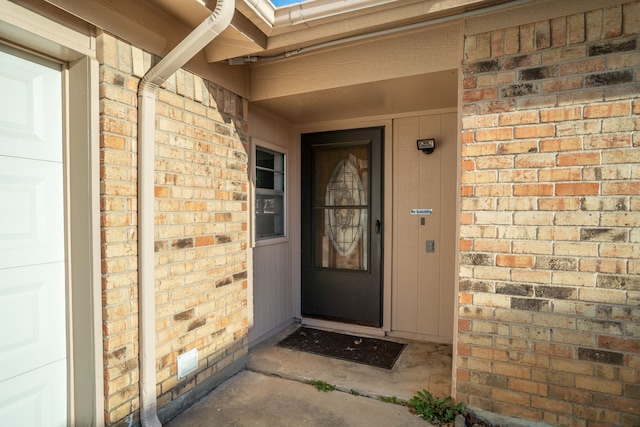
(421, 211)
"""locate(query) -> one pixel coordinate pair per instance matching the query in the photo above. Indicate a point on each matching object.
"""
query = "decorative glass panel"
(345, 223)
(341, 207)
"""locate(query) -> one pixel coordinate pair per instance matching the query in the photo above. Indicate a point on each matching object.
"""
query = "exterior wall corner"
(200, 230)
(549, 262)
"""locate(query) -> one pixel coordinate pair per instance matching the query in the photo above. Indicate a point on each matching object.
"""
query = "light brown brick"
(500, 162)
(565, 54)
(562, 84)
(576, 28)
(512, 343)
(612, 25)
(511, 41)
(496, 79)
(527, 38)
(532, 218)
(631, 18)
(478, 177)
(607, 110)
(519, 261)
(521, 203)
(530, 276)
(475, 95)
(511, 396)
(572, 366)
(560, 144)
(512, 370)
(559, 204)
(519, 118)
(573, 278)
(594, 25)
(497, 43)
(475, 150)
(489, 353)
(498, 134)
(582, 127)
(537, 131)
(518, 147)
(551, 405)
(558, 31)
(536, 160)
(473, 122)
(560, 114)
(575, 159)
(577, 189)
(607, 141)
(599, 385)
(602, 296)
(621, 156)
(534, 190)
(564, 174)
(620, 188)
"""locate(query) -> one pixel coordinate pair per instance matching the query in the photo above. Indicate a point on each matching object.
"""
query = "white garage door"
(33, 344)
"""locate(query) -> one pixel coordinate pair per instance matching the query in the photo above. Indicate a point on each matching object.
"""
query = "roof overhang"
(259, 29)
(253, 56)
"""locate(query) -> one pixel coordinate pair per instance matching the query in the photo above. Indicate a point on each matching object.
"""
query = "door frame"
(338, 287)
(296, 218)
(81, 141)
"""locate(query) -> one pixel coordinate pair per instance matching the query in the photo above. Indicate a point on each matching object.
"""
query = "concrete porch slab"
(272, 391)
(422, 365)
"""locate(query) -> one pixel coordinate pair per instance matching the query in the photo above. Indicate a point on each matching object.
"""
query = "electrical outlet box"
(187, 363)
(431, 246)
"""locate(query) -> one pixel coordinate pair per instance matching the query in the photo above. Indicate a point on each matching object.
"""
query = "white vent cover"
(187, 363)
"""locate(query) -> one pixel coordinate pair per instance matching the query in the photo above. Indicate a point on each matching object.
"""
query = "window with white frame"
(269, 175)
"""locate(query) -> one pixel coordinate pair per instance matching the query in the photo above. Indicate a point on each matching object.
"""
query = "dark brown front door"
(342, 225)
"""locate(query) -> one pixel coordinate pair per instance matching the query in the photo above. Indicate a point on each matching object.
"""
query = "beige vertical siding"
(424, 283)
(273, 266)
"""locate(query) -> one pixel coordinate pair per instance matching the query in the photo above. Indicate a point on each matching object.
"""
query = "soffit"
(399, 96)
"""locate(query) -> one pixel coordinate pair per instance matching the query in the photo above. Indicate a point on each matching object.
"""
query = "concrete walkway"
(272, 391)
(250, 399)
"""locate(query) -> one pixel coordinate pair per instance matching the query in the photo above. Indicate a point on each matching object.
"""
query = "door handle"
(378, 226)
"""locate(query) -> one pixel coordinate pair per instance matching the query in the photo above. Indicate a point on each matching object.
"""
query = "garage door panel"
(31, 212)
(31, 128)
(34, 399)
(33, 312)
(32, 305)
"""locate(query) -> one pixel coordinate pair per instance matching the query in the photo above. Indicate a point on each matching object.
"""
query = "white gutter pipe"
(202, 35)
(304, 12)
(263, 9)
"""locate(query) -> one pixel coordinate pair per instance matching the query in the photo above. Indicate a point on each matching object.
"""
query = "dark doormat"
(368, 351)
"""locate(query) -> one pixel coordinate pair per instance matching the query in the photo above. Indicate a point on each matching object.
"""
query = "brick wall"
(200, 234)
(549, 303)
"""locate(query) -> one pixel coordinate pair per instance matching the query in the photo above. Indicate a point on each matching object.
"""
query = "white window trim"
(255, 142)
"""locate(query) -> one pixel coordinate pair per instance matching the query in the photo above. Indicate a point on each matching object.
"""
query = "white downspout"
(202, 35)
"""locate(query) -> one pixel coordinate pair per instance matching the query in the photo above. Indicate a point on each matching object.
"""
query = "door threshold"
(332, 326)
